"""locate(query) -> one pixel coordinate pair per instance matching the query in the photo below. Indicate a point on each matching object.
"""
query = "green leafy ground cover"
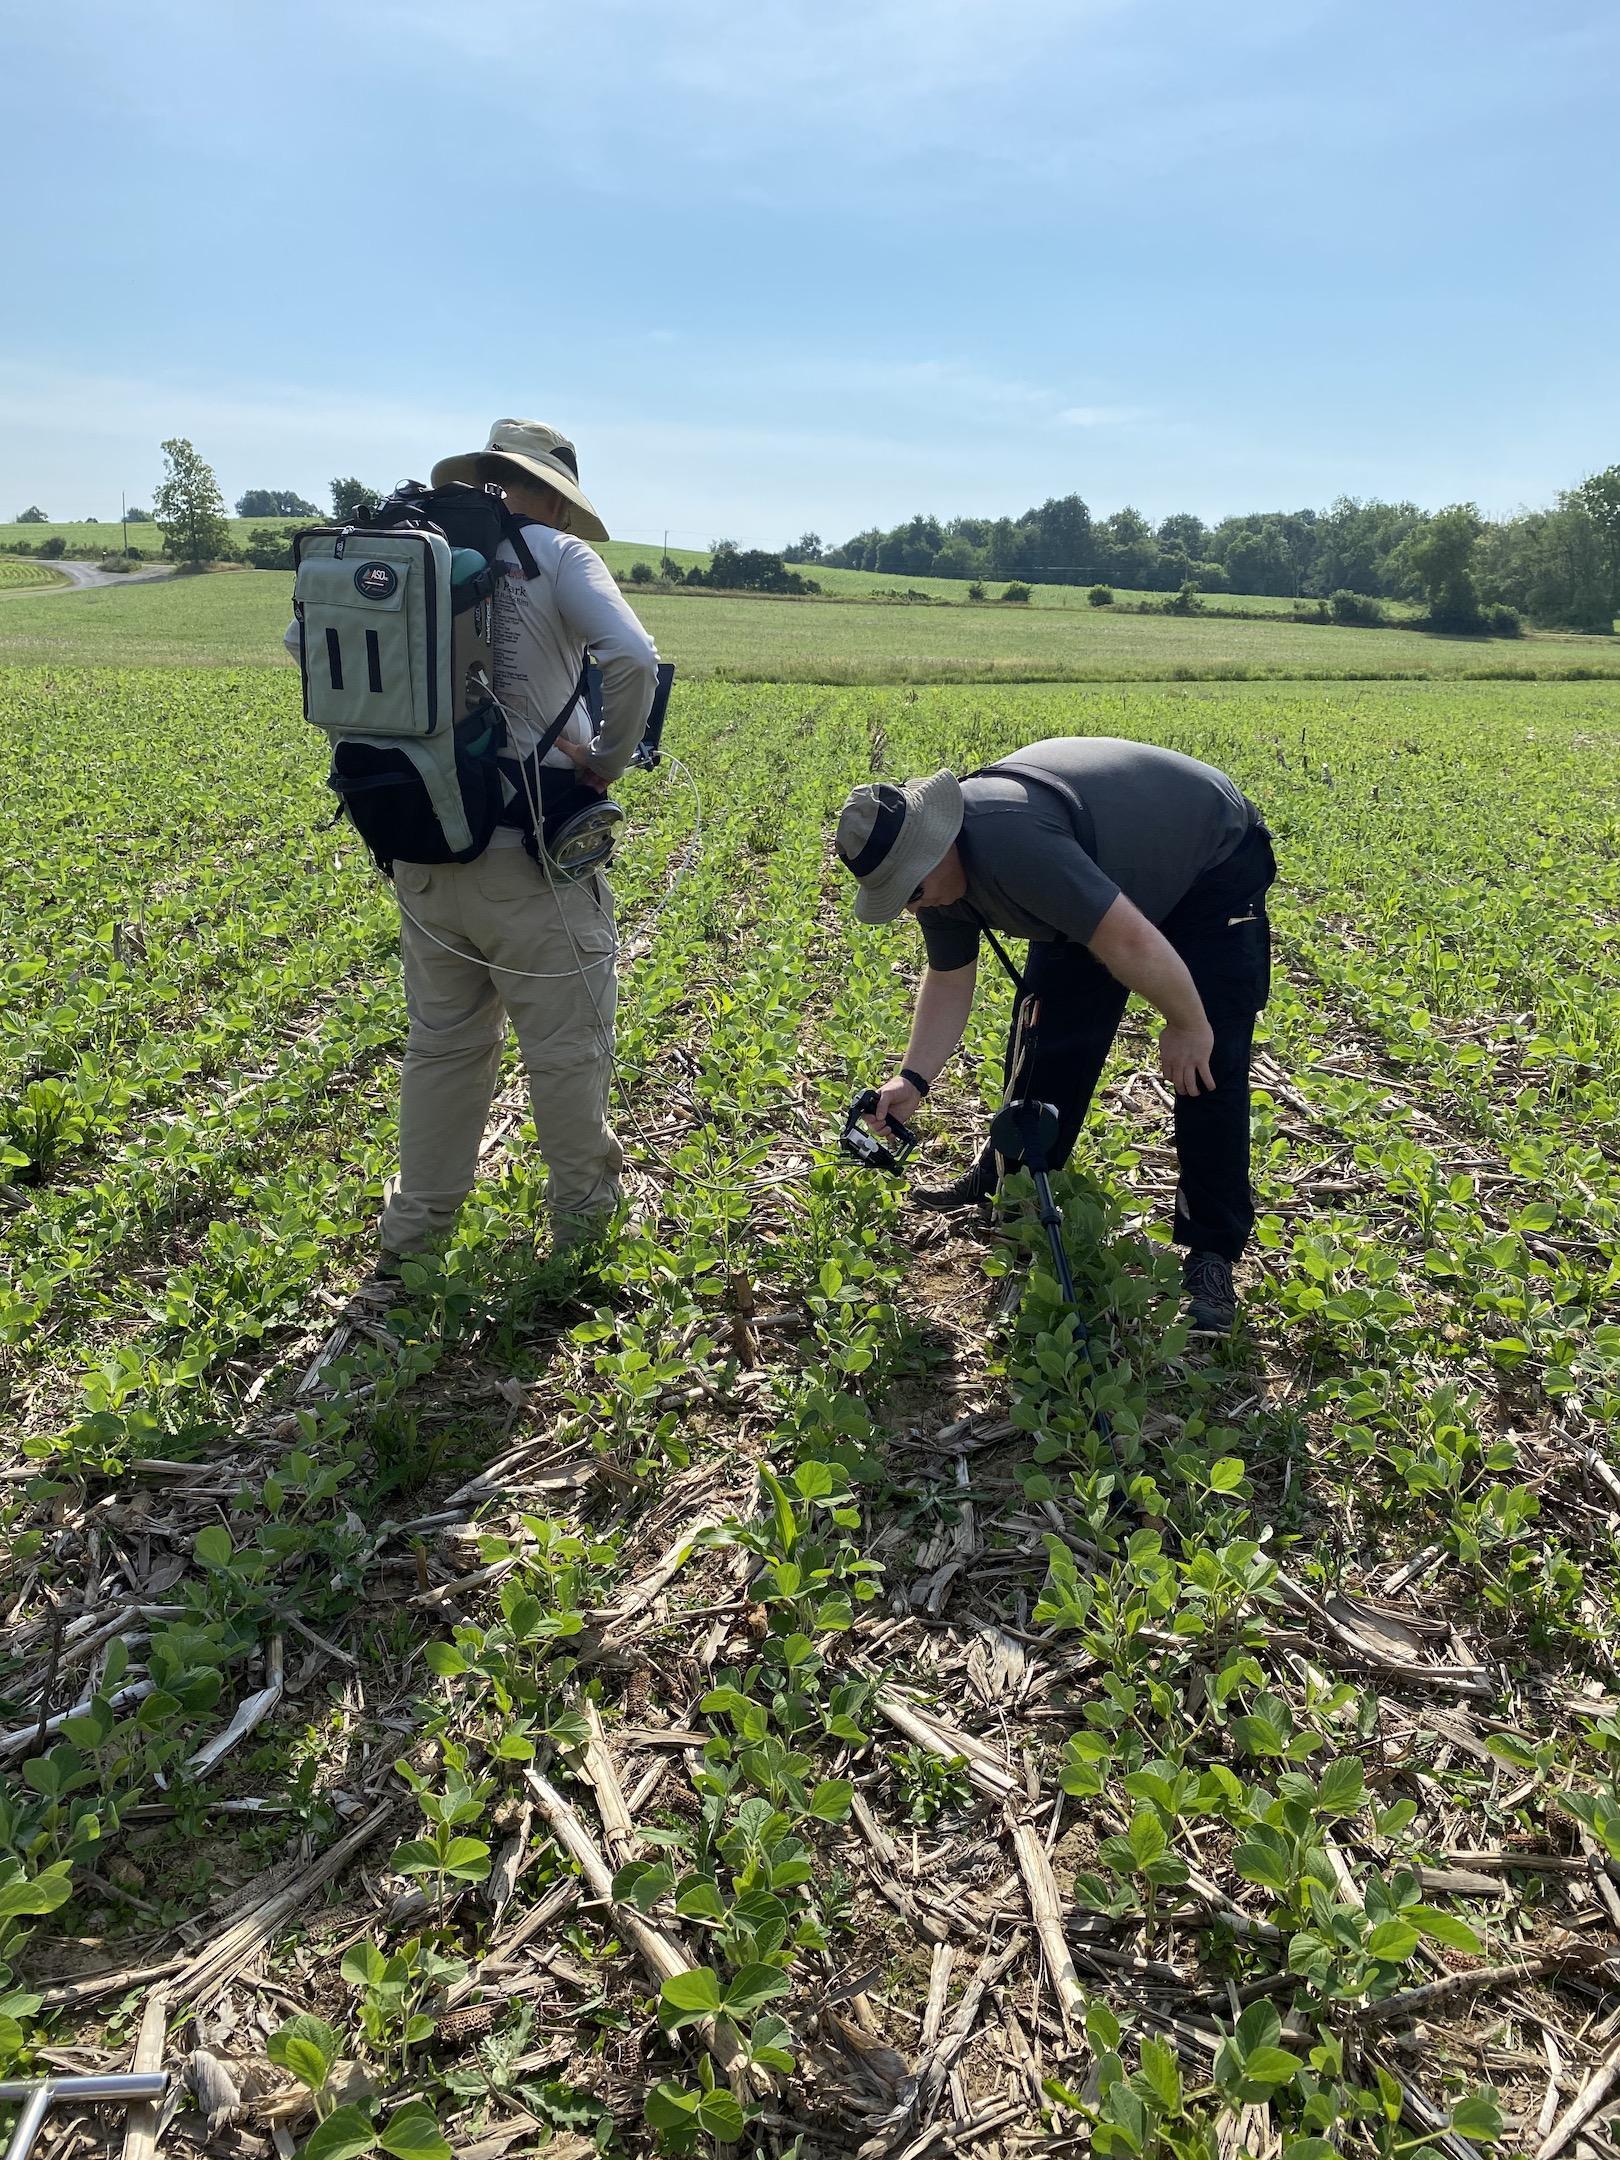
(769, 1566)
(236, 618)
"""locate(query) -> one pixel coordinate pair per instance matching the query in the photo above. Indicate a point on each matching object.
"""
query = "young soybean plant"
(308, 2049)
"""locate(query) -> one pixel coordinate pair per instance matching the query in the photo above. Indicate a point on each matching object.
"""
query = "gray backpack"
(398, 674)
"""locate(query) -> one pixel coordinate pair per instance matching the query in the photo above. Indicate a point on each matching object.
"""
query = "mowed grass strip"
(236, 618)
(17, 573)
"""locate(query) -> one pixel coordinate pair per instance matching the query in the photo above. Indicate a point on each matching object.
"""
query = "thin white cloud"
(1091, 416)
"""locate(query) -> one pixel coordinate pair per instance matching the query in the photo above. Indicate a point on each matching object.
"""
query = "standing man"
(502, 937)
(1127, 868)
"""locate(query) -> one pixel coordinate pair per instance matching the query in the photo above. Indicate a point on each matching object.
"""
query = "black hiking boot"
(1211, 1300)
(974, 1188)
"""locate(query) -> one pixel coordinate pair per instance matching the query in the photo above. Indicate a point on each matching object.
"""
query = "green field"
(235, 618)
(18, 575)
(621, 556)
(797, 1523)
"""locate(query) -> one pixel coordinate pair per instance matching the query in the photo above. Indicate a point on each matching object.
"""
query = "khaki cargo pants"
(520, 945)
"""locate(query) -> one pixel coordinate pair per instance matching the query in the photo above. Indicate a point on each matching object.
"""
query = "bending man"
(499, 937)
(1127, 868)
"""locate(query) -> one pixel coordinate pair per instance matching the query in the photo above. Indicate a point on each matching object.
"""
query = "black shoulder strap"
(520, 809)
(548, 740)
(996, 946)
(1085, 830)
(512, 526)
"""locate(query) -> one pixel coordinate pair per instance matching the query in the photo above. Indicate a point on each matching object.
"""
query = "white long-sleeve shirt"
(544, 624)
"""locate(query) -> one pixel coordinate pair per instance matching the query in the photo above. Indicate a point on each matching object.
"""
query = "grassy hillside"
(236, 618)
(621, 556)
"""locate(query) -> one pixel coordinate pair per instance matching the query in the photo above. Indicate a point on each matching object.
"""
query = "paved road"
(84, 574)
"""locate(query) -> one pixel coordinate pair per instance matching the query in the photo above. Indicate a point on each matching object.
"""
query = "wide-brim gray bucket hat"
(533, 451)
(889, 838)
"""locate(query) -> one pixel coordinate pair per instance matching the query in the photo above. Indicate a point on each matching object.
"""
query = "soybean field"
(722, 1691)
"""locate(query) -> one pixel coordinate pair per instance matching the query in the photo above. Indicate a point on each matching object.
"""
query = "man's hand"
(897, 1099)
(1184, 1055)
(581, 759)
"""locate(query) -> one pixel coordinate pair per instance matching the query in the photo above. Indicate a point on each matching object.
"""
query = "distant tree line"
(1561, 567)
(274, 502)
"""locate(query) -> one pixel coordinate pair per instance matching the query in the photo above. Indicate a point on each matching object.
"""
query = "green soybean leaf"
(1393, 1941)
(1163, 2072)
(719, 2114)
(1478, 2115)
(345, 2133)
(1445, 1928)
(753, 1986)
(213, 1546)
(42, 1893)
(831, 1800)
(700, 1901)
(413, 2133)
(669, 2106)
(695, 1994)
(1271, 2066)
(1257, 1863)
(1342, 1788)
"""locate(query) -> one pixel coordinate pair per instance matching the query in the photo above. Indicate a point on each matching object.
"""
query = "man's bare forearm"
(1145, 961)
(937, 1026)
(940, 1018)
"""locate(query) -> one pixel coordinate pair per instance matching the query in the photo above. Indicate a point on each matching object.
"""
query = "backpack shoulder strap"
(520, 810)
(512, 527)
(1085, 829)
(580, 690)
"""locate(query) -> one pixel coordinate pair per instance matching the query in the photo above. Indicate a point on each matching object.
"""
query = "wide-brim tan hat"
(889, 838)
(533, 451)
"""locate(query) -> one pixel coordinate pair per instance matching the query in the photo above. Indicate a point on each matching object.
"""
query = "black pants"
(1221, 931)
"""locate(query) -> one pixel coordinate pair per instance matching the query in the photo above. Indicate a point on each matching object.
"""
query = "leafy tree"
(349, 497)
(54, 546)
(274, 502)
(1100, 596)
(270, 549)
(1440, 557)
(910, 549)
(1598, 498)
(137, 517)
(188, 506)
(735, 569)
(641, 573)
(807, 548)
(33, 515)
(1062, 538)
(958, 558)
(1184, 534)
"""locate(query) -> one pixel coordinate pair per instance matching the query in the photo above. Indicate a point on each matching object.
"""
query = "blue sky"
(778, 265)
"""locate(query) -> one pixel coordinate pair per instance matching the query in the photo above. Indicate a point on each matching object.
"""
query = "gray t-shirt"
(1158, 819)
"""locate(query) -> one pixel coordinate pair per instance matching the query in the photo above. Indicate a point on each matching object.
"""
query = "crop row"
(1229, 1786)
